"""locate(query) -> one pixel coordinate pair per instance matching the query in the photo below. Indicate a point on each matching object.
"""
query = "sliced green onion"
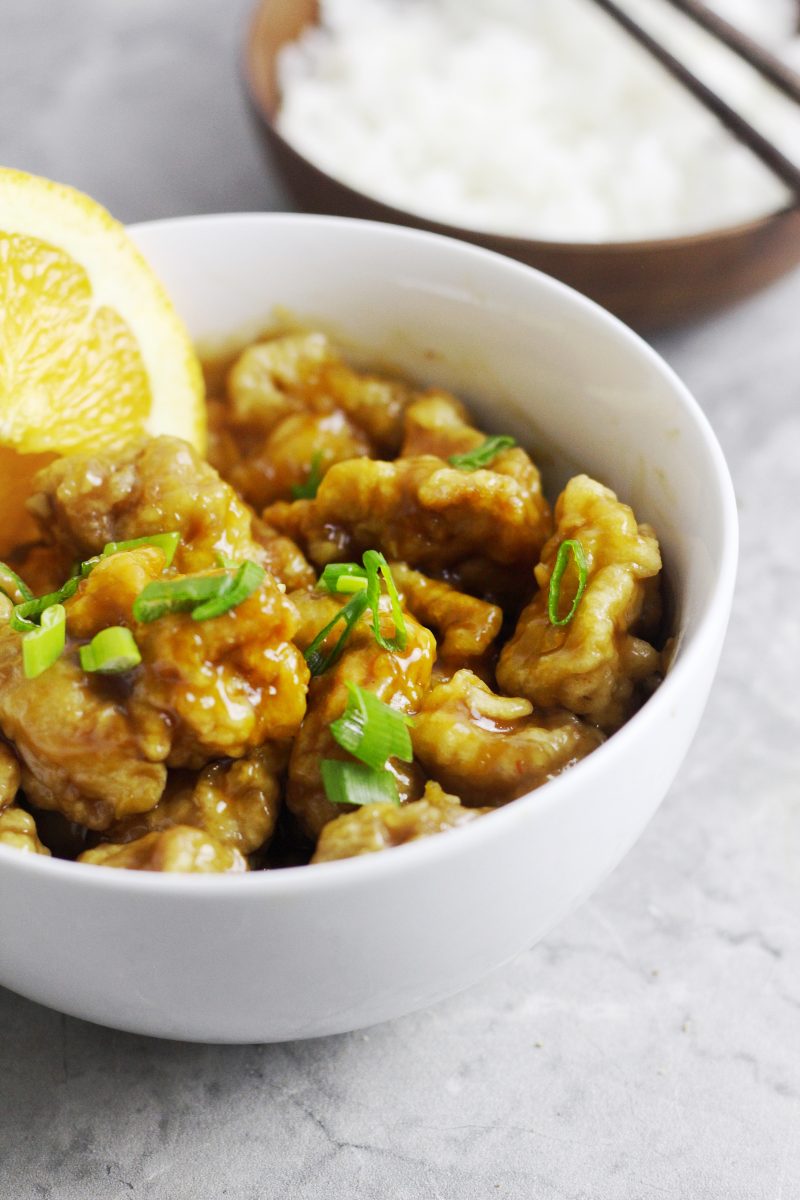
(23, 616)
(364, 582)
(343, 577)
(308, 490)
(166, 542)
(482, 455)
(376, 566)
(349, 584)
(348, 614)
(570, 546)
(43, 644)
(355, 783)
(222, 560)
(164, 596)
(247, 579)
(205, 596)
(82, 569)
(12, 586)
(110, 651)
(371, 730)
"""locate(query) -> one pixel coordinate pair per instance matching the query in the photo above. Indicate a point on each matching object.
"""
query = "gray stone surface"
(650, 1047)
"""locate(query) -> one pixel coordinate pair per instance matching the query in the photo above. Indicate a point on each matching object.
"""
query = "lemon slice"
(92, 353)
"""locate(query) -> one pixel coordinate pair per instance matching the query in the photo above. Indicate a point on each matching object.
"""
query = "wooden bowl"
(649, 284)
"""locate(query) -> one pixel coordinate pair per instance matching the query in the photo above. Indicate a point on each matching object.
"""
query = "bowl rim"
(504, 242)
(287, 881)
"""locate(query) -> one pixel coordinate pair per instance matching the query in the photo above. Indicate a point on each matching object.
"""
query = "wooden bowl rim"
(506, 242)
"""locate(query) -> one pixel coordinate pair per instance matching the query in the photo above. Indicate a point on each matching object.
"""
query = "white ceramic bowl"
(318, 950)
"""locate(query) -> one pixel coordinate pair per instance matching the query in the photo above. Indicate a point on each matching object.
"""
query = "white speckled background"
(650, 1048)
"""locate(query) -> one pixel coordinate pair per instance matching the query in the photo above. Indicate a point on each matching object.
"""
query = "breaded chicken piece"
(596, 666)
(437, 423)
(425, 513)
(299, 443)
(466, 626)
(397, 678)
(206, 689)
(235, 801)
(83, 502)
(489, 749)
(376, 827)
(292, 403)
(95, 748)
(283, 557)
(181, 849)
(301, 372)
(18, 830)
(82, 753)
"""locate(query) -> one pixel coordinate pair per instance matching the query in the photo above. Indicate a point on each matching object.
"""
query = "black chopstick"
(761, 146)
(767, 64)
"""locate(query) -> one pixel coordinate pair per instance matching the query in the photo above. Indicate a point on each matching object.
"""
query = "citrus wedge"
(92, 353)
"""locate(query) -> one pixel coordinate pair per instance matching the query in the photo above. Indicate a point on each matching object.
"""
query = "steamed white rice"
(536, 117)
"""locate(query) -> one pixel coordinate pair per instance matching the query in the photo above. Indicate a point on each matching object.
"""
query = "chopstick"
(767, 64)
(739, 126)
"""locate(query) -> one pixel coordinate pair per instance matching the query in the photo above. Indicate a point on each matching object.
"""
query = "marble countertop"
(650, 1047)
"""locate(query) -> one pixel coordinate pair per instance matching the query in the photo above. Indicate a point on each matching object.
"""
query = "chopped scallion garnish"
(371, 730)
(482, 455)
(376, 565)
(110, 651)
(44, 643)
(571, 546)
(12, 586)
(87, 566)
(164, 596)
(343, 578)
(365, 584)
(308, 490)
(349, 615)
(23, 616)
(355, 783)
(167, 543)
(205, 596)
(247, 579)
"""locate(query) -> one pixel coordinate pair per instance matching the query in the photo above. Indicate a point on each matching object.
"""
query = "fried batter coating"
(381, 826)
(95, 748)
(466, 626)
(83, 502)
(18, 829)
(82, 753)
(237, 802)
(205, 689)
(227, 685)
(286, 456)
(423, 512)
(303, 373)
(271, 379)
(10, 776)
(398, 679)
(595, 666)
(493, 748)
(437, 423)
(290, 400)
(106, 596)
(181, 849)
(283, 557)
